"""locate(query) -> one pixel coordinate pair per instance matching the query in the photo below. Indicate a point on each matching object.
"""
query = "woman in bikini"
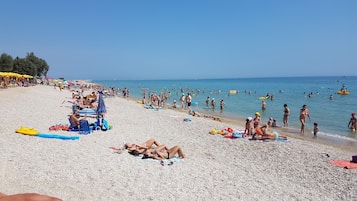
(163, 152)
(137, 149)
(304, 112)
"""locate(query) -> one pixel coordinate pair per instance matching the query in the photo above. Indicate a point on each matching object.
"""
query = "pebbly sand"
(216, 168)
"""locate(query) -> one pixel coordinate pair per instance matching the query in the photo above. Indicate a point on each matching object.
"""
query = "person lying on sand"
(27, 197)
(268, 135)
(137, 149)
(163, 152)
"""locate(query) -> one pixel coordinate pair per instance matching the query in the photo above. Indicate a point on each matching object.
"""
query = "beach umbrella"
(27, 76)
(101, 105)
(11, 74)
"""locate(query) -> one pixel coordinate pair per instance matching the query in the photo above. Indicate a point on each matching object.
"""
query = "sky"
(183, 39)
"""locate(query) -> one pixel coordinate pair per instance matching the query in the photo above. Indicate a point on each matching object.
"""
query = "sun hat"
(257, 113)
(250, 118)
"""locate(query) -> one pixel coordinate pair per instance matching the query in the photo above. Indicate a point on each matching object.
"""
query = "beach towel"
(56, 136)
(149, 106)
(163, 162)
(277, 140)
(344, 164)
(234, 136)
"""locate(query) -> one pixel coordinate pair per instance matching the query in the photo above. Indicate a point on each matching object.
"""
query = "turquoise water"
(331, 115)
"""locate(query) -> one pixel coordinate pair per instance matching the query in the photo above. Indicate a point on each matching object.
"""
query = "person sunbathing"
(268, 135)
(163, 152)
(137, 149)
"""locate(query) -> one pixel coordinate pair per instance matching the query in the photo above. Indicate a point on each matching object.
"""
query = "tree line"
(30, 65)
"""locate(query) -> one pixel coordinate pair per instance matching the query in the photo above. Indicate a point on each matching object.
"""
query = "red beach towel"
(344, 164)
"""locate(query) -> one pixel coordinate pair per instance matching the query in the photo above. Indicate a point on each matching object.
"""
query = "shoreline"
(341, 142)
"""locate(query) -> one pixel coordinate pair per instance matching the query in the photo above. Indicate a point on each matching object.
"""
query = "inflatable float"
(263, 97)
(33, 132)
(232, 91)
(194, 103)
(343, 92)
(27, 131)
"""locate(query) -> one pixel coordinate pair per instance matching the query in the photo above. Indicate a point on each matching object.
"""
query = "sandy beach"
(216, 168)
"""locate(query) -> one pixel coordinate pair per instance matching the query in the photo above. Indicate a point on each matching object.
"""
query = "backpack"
(84, 127)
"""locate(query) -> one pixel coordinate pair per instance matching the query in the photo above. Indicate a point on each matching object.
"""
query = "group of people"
(304, 115)
(186, 101)
(212, 103)
(152, 149)
(253, 128)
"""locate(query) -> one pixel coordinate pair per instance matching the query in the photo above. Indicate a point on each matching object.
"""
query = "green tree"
(40, 65)
(31, 65)
(6, 63)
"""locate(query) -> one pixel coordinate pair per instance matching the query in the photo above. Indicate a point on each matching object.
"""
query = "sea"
(330, 110)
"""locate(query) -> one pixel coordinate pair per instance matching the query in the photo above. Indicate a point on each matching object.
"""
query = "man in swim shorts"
(189, 101)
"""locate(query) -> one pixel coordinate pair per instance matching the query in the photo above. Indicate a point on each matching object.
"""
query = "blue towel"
(62, 137)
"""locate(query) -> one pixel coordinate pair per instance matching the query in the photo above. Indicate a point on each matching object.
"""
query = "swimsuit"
(276, 135)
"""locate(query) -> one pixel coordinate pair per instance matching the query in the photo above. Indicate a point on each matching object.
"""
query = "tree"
(6, 63)
(40, 64)
(31, 65)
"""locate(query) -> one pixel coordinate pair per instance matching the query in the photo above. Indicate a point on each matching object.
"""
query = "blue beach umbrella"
(101, 105)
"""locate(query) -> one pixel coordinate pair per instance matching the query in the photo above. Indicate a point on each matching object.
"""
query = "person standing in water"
(221, 105)
(207, 101)
(352, 124)
(213, 104)
(304, 112)
(286, 115)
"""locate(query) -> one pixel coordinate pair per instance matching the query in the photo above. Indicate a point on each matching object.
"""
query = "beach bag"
(84, 127)
(105, 125)
(237, 134)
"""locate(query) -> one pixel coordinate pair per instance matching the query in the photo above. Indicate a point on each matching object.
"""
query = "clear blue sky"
(183, 39)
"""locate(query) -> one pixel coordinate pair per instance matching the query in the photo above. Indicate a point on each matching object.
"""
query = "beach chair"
(71, 126)
(84, 127)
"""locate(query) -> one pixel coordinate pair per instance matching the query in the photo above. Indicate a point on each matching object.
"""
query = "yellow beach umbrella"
(27, 76)
(11, 74)
(2, 74)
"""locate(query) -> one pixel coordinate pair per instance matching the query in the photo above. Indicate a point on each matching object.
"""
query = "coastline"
(215, 168)
(335, 141)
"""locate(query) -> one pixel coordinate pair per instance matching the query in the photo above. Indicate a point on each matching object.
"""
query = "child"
(248, 126)
(274, 123)
(316, 129)
(175, 104)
